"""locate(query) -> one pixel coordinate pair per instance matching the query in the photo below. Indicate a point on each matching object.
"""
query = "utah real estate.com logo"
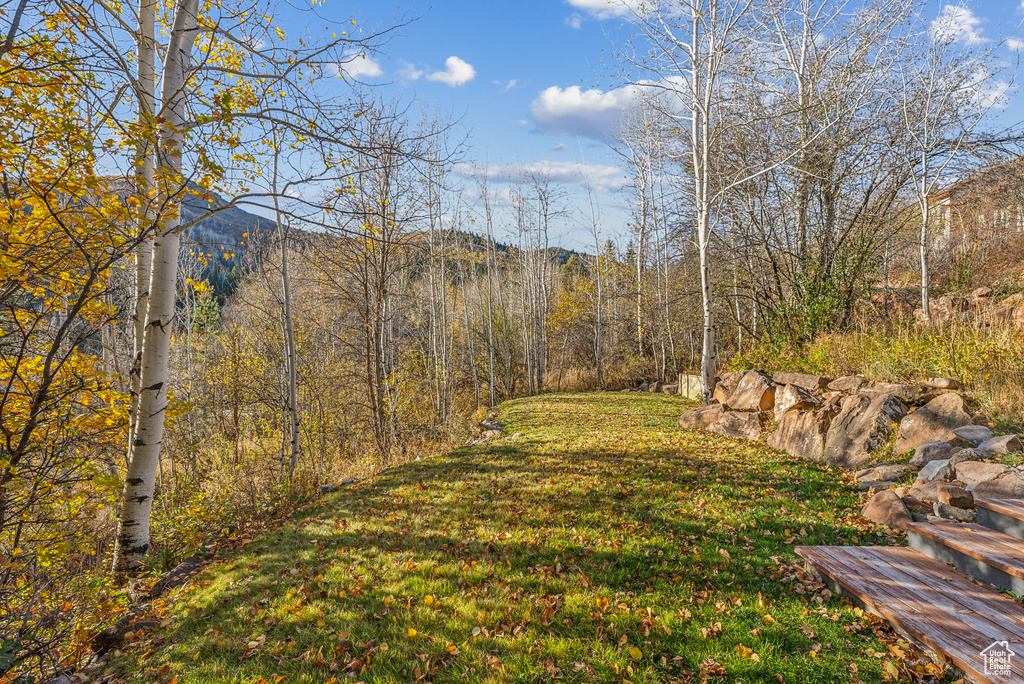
(998, 657)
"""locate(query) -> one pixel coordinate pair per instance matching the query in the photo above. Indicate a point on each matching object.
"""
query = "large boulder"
(943, 383)
(805, 380)
(847, 383)
(885, 472)
(740, 424)
(974, 435)
(701, 417)
(721, 392)
(833, 402)
(754, 392)
(916, 505)
(1007, 485)
(933, 422)
(801, 433)
(935, 470)
(861, 428)
(932, 451)
(927, 492)
(954, 496)
(1000, 446)
(971, 472)
(794, 398)
(724, 385)
(965, 455)
(981, 295)
(908, 394)
(731, 377)
(885, 508)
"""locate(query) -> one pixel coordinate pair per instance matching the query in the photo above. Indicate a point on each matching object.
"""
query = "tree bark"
(133, 531)
(144, 184)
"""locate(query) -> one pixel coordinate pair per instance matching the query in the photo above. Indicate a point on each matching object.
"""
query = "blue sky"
(532, 84)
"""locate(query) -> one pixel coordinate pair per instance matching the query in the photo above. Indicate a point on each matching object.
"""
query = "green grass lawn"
(606, 545)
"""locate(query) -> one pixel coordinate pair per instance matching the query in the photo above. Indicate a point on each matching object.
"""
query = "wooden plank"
(971, 595)
(923, 599)
(980, 570)
(979, 542)
(987, 614)
(1011, 507)
(882, 596)
(932, 621)
(1004, 515)
(983, 610)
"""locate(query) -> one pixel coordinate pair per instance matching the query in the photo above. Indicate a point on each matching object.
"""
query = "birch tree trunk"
(144, 184)
(133, 530)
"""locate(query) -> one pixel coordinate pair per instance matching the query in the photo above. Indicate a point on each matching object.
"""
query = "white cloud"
(409, 72)
(957, 24)
(590, 113)
(456, 72)
(506, 86)
(258, 43)
(606, 9)
(603, 177)
(1015, 44)
(360, 66)
(990, 94)
(560, 147)
(575, 20)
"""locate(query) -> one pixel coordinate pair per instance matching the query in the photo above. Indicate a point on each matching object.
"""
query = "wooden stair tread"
(977, 541)
(931, 603)
(1013, 508)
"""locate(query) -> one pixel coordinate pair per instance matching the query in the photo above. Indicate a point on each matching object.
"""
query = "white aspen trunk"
(144, 151)
(699, 136)
(133, 531)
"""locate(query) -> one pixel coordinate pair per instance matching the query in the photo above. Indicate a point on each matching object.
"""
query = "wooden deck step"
(1005, 515)
(983, 553)
(937, 608)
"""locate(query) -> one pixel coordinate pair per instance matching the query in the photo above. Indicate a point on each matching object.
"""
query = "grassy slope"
(606, 545)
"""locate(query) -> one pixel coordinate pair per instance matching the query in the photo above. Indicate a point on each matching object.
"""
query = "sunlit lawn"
(606, 545)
